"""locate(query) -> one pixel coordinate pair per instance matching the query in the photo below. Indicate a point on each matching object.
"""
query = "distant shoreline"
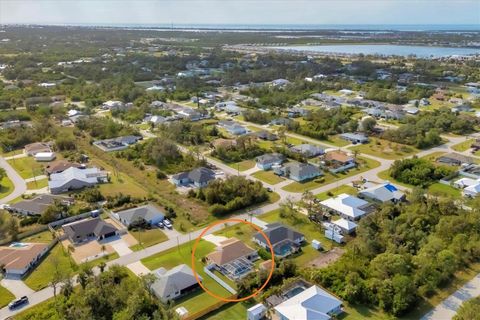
(270, 28)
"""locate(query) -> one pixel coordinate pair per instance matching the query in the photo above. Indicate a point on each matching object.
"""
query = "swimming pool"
(18, 245)
(294, 292)
(283, 250)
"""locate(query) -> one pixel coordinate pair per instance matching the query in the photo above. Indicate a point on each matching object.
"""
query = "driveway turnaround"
(16, 287)
(138, 268)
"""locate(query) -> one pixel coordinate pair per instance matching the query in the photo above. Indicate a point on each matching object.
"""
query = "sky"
(423, 12)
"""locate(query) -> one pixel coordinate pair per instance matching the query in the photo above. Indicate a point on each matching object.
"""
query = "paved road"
(18, 182)
(448, 308)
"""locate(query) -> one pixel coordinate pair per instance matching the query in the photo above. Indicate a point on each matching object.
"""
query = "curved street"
(20, 186)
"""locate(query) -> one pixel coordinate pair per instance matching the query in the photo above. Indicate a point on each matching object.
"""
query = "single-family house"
(33, 148)
(348, 206)
(345, 226)
(232, 127)
(18, 258)
(233, 258)
(60, 166)
(308, 150)
(89, 229)
(470, 171)
(385, 192)
(76, 178)
(257, 312)
(174, 283)
(44, 156)
(313, 303)
(462, 108)
(149, 213)
(280, 83)
(266, 135)
(299, 171)
(113, 105)
(37, 205)
(267, 161)
(472, 191)
(283, 239)
(455, 159)
(198, 177)
(338, 161)
(116, 144)
(354, 137)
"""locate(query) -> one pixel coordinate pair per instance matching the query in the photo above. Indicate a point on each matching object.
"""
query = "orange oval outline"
(194, 248)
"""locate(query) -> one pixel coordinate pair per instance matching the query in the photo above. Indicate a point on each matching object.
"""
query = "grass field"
(337, 141)
(147, 238)
(384, 175)
(6, 187)
(336, 191)
(5, 297)
(365, 165)
(444, 190)
(268, 176)
(433, 156)
(26, 167)
(463, 146)
(199, 299)
(42, 237)
(39, 184)
(231, 311)
(385, 149)
(242, 165)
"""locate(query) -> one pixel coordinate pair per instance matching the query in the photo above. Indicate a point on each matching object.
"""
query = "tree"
(3, 174)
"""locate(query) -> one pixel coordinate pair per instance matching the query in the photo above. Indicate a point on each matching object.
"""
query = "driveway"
(16, 287)
(138, 268)
(214, 239)
(121, 247)
(448, 307)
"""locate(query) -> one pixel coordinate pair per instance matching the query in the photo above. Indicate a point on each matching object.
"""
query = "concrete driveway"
(121, 247)
(138, 268)
(16, 287)
(214, 239)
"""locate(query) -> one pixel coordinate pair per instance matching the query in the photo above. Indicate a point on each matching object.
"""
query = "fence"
(211, 308)
(71, 219)
(25, 234)
(220, 281)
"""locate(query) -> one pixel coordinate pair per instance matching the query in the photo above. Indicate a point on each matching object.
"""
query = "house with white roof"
(345, 226)
(313, 303)
(472, 191)
(385, 192)
(348, 206)
(75, 178)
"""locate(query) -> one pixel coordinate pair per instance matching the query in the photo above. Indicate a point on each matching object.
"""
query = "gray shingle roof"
(270, 158)
(82, 229)
(301, 169)
(147, 212)
(173, 280)
(277, 232)
(198, 175)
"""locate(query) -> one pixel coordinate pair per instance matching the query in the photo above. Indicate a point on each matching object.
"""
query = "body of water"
(385, 50)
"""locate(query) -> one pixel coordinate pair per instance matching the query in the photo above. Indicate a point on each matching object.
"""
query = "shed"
(317, 245)
(256, 312)
(44, 156)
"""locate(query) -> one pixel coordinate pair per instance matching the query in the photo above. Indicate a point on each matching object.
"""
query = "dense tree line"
(189, 133)
(244, 149)
(233, 193)
(404, 252)
(105, 128)
(419, 172)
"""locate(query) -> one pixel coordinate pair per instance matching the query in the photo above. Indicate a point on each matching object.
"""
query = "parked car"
(17, 303)
(167, 224)
(269, 189)
(161, 225)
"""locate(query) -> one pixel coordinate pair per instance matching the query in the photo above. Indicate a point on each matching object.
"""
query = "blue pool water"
(18, 245)
(283, 250)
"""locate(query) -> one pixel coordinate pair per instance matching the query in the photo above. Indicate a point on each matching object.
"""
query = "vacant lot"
(26, 167)
(385, 149)
(242, 165)
(463, 146)
(147, 238)
(268, 176)
(336, 191)
(37, 184)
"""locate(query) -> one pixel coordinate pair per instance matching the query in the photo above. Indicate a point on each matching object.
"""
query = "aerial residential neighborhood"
(231, 160)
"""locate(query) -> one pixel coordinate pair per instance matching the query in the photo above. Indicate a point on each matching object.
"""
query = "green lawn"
(42, 237)
(230, 311)
(385, 149)
(241, 231)
(337, 141)
(41, 276)
(6, 187)
(5, 297)
(242, 165)
(46, 309)
(26, 167)
(268, 176)
(39, 184)
(444, 190)
(335, 192)
(309, 229)
(384, 175)
(147, 238)
(433, 156)
(198, 300)
(463, 146)
(365, 164)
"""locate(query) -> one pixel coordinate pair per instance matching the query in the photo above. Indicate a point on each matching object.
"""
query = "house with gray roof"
(116, 144)
(455, 159)
(198, 177)
(284, 240)
(354, 137)
(76, 178)
(174, 283)
(37, 205)
(89, 229)
(299, 171)
(267, 161)
(149, 213)
(308, 150)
